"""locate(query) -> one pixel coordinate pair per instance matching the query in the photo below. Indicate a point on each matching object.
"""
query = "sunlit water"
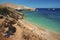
(46, 18)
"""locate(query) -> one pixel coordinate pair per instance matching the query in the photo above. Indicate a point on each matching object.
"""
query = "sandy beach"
(44, 34)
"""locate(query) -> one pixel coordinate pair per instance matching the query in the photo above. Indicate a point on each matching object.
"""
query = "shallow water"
(49, 19)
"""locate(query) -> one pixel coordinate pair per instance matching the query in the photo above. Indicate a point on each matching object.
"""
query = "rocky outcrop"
(8, 17)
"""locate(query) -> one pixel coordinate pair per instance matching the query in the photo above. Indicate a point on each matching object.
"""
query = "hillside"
(13, 27)
(18, 7)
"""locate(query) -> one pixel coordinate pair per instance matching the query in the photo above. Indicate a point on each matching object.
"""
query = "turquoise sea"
(45, 18)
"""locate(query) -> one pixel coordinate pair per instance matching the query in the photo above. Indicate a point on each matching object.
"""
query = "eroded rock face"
(7, 27)
(8, 18)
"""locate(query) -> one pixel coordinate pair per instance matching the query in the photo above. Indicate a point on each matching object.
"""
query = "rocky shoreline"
(13, 27)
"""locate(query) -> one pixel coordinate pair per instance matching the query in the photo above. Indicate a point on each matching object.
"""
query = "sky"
(35, 3)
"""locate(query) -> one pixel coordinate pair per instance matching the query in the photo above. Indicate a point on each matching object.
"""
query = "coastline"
(21, 29)
(40, 31)
(47, 23)
(42, 27)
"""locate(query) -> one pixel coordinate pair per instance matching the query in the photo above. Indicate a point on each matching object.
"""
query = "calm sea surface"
(48, 18)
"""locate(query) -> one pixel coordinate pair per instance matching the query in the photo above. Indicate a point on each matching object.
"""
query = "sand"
(28, 31)
(44, 34)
